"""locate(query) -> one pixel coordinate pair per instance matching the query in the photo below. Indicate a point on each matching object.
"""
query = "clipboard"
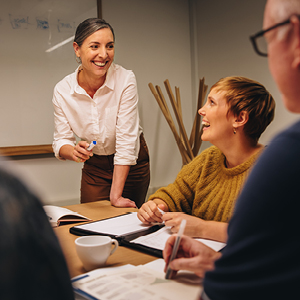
(119, 229)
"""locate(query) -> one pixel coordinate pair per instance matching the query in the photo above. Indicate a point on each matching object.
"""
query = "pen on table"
(169, 271)
(91, 145)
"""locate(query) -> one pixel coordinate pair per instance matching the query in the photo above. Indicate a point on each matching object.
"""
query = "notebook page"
(159, 238)
(117, 226)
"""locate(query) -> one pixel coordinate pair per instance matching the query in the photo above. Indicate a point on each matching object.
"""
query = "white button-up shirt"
(110, 117)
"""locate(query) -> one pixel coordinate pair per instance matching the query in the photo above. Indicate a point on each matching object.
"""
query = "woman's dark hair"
(32, 265)
(244, 94)
(88, 27)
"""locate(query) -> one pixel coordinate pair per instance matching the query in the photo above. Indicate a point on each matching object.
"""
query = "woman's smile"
(217, 122)
(97, 52)
(205, 124)
(100, 64)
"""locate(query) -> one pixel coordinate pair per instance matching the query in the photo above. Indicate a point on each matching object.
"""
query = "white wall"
(55, 181)
(225, 49)
(153, 39)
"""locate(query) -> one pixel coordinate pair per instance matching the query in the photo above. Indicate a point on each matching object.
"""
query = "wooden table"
(97, 211)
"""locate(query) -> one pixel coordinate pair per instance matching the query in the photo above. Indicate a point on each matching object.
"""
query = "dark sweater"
(262, 256)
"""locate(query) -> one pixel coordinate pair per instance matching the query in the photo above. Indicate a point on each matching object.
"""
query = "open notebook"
(59, 215)
(130, 232)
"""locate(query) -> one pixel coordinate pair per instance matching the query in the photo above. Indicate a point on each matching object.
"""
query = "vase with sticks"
(188, 147)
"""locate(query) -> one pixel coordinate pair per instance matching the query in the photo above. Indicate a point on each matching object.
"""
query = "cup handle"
(115, 242)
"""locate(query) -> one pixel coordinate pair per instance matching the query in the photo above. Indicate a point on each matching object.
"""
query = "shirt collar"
(109, 81)
(75, 87)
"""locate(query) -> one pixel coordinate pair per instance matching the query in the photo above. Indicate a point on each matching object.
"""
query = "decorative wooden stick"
(178, 102)
(201, 96)
(179, 120)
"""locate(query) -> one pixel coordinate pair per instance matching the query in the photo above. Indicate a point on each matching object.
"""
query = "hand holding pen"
(83, 151)
(192, 255)
(151, 212)
(169, 272)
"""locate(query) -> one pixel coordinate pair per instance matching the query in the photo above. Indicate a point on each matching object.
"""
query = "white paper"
(101, 271)
(182, 276)
(138, 283)
(159, 238)
(117, 226)
(217, 246)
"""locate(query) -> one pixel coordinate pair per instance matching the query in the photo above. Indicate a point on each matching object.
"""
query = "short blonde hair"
(244, 94)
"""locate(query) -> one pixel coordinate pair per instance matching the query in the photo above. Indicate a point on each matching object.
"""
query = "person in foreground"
(32, 265)
(236, 113)
(261, 259)
(99, 102)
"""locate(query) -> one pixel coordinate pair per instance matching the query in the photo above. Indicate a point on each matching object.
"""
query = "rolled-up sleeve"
(63, 135)
(127, 128)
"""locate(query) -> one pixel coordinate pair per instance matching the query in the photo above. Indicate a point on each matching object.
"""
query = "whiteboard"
(28, 28)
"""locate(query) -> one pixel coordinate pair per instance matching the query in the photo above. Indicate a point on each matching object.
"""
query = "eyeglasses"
(259, 42)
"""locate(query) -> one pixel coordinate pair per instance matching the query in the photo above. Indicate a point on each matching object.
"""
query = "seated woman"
(236, 113)
(32, 264)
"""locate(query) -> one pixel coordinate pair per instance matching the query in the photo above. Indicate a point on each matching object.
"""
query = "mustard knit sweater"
(205, 188)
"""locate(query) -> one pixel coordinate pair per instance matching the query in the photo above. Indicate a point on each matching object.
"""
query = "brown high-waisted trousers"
(97, 173)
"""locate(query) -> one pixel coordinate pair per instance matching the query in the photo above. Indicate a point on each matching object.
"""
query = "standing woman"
(99, 101)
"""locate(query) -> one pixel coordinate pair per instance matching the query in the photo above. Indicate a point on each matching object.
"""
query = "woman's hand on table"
(197, 227)
(194, 226)
(122, 202)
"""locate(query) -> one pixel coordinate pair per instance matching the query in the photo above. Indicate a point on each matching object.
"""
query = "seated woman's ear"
(241, 119)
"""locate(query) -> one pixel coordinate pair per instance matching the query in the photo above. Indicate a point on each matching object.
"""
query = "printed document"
(137, 283)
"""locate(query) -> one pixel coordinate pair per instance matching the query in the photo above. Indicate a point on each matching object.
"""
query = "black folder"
(123, 239)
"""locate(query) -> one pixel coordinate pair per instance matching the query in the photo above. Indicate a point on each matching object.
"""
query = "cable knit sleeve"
(180, 194)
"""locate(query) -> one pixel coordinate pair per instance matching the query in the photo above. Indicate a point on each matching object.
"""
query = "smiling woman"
(98, 102)
(236, 113)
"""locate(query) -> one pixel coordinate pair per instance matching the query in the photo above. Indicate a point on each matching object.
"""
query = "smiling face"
(217, 121)
(96, 53)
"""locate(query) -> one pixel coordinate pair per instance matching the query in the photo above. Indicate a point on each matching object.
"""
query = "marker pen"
(91, 145)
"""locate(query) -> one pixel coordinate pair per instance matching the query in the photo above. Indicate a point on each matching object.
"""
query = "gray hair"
(88, 27)
(280, 10)
(283, 9)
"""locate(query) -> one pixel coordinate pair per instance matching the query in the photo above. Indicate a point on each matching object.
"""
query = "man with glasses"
(262, 256)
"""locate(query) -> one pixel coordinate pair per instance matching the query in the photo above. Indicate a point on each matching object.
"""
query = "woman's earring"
(78, 60)
(234, 130)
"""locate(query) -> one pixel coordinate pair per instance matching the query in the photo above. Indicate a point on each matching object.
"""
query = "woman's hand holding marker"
(82, 151)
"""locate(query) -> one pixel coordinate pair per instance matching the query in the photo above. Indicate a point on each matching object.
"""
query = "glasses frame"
(262, 32)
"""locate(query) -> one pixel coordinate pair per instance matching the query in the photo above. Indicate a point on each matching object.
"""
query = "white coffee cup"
(93, 250)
